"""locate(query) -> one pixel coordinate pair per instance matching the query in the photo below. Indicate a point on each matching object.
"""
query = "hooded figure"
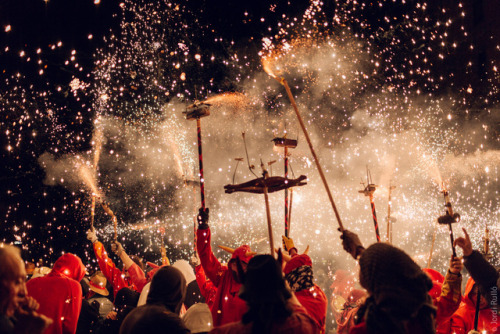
(446, 296)
(59, 293)
(462, 320)
(299, 274)
(227, 306)
(125, 302)
(193, 294)
(271, 306)
(161, 312)
(398, 302)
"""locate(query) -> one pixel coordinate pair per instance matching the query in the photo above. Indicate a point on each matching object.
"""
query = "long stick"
(316, 160)
(287, 222)
(92, 213)
(115, 226)
(269, 225)
(374, 215)
(200, 158)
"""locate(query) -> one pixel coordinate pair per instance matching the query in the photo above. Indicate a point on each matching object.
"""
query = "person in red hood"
(227, 306)
(299, 275)
(59, 293)
(132, 276)
(462, 320)
(446, 293)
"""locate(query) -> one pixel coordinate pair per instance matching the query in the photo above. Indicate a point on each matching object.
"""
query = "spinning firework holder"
(449, 218)
(368, 191)
(286, 144)
(196, 111)
(265, 185)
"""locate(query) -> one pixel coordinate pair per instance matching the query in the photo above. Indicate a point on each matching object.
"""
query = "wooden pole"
(269, 224)
(316, 160)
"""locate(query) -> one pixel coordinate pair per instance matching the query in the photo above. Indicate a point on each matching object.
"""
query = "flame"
(97, 139)
(88, 178)
(266, 65)
(236, 99)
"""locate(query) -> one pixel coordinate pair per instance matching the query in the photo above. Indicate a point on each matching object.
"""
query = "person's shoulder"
(231, 328)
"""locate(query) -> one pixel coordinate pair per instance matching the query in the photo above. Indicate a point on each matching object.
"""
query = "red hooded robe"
(313, 299)
(59, 293)
(227, 306)
(462, 320)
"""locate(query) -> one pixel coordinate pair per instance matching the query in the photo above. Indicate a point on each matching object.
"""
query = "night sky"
(70, 67)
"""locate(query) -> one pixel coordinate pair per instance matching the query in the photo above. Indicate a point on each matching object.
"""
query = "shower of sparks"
(376, 82)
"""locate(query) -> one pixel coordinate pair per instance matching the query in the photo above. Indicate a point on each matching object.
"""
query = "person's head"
(97, 284)
(298, 272)
(265, 292)
(397, 291)
(384, 266)
(137, 260)
(70, 266)
(168, 288)
(185, 269)
(153, 319)
(198, 318)
(239, 260)
(12, 280)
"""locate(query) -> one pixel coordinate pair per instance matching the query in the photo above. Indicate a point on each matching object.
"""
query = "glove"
(351, 243)
(288, 244)
(91, 235)
(117, 248)
(195, 260)
(202, 218)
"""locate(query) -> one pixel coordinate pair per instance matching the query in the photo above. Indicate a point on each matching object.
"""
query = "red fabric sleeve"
(213, 269)
(137, 277)
(207, 288)
(108, 268)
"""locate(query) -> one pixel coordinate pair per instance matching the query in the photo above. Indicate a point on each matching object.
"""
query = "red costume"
(227, 306)
(345, 320)
(207, 288)
(309, 294)
(115, 276)
(446, 295)
(462, 320)
(59, 294)
(298, 322)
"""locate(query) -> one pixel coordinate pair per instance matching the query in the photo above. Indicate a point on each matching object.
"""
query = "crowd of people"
(271, 293)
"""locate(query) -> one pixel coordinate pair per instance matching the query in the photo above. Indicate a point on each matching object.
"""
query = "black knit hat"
(382, 266)
(264, 282)
(168, 287)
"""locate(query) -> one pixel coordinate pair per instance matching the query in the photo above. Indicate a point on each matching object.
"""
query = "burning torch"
(449, 217)
(106, 209)
(286, 144)
(196, 111)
